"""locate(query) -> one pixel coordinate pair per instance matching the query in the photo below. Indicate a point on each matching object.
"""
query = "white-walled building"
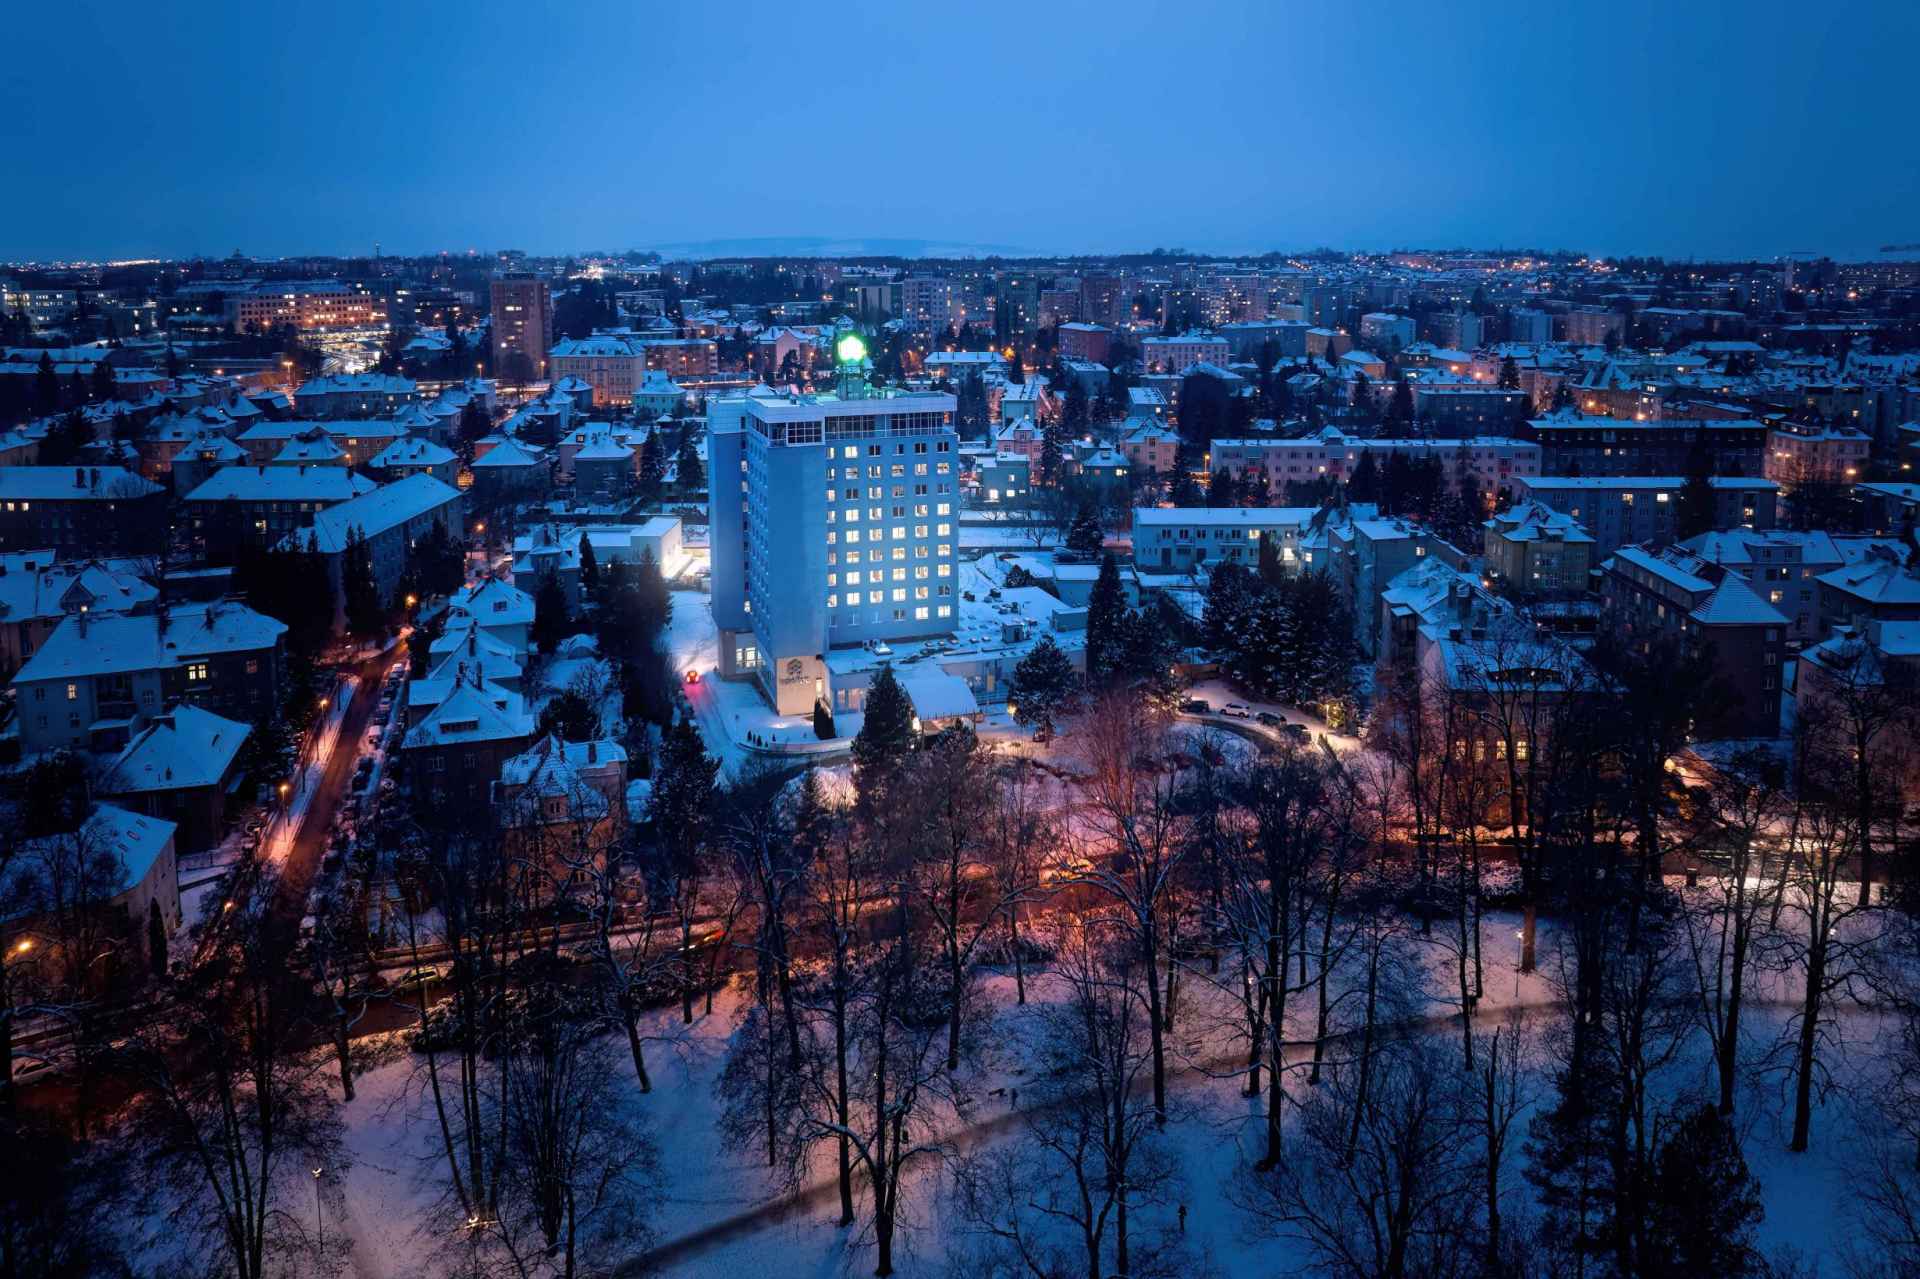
(1180, 539)
(1493, 460)
(834, 524)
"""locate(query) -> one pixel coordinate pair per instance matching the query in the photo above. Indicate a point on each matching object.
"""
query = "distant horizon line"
(831, 248)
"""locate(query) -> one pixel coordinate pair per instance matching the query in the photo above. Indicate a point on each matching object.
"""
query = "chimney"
(593, 752)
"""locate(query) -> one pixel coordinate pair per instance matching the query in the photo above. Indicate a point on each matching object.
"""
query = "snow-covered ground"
(721, 1214)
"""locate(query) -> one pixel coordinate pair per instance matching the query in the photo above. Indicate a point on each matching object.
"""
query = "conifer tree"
(1106, 621)
(885, 737)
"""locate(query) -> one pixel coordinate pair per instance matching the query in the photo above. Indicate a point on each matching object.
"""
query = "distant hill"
(821, 246)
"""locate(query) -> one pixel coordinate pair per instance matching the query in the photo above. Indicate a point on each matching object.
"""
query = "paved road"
(309, 844)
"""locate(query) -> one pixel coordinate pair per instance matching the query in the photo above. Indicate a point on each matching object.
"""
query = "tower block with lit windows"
(834, 524)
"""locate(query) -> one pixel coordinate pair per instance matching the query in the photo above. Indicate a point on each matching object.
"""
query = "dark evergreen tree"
(1085, 536)
(689, 474)
(653, 465)
(1043, 687)
(366, 612)
(46, 388)
(1050, 459)
(551, 620)
(885, 738)
(1231, 594)
(156, 940)
(822, 725)
(1702, 1203)
(1400, 404)
(1205, 409)
(589, 570)
(571, 717)
(103, 388)
(1696, 513)
(1269, 569)
(1509, 374)
(1364, 484)
(1106, 623)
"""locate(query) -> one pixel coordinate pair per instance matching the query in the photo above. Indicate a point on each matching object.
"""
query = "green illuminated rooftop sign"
(851, 349)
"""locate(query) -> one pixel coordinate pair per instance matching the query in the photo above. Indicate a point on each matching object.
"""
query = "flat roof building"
(833, 524)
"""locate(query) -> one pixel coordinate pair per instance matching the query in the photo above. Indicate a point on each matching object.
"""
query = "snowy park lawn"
(722, 1213)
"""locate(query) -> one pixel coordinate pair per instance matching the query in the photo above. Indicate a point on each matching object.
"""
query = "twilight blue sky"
(136, 129)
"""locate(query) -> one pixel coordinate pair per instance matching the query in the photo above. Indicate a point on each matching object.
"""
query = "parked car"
(1270, 720)
(1300, 731)
(1237, 710)
(1196, 706)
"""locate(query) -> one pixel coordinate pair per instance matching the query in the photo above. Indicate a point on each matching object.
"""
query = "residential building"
(511, 470)
(565, 798)
(522, 309)
(308, 305)
(1180, 353)
(37, 592)
(142, 848)
(1080, 340)
(1592, 445)
(1005, 478)
(658, 395)
(498, 608)
(1150, 444)
(1882, 586)
(555, 549)
(1622, 509)
(615, 367)
(458, 750)
(1798, 454)
(1363, 557)
(1526, 324)
(258, 506)
(1466, 408)
(1386, 331)
(1185, 539)
(183, 767)
(408, 456)
(356, 441)
(345, 395)
(1537, 550)
(390, 519)
(1672, 595)
(81, 510)
(1493, 461)
(99, 677)
(1782, 566)
(1460, 329)
(844, 534)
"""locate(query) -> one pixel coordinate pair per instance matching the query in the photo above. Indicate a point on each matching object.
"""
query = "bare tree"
(231, 1112)
(1091, 1154)
(899, 1073)
(1394, 1204)
(1734, 817)
(1265, 908)
(1132, 813)
(580, 1173)
(950, 784)
(1022, 837)
(1501, 1090)
(338, 958)
(1831, 926)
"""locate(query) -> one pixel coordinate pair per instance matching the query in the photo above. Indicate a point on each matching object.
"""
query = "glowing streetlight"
(24, 945)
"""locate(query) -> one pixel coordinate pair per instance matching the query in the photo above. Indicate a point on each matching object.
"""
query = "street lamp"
(319, 1223)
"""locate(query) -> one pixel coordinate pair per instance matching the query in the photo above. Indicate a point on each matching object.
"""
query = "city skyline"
(1039, 132)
